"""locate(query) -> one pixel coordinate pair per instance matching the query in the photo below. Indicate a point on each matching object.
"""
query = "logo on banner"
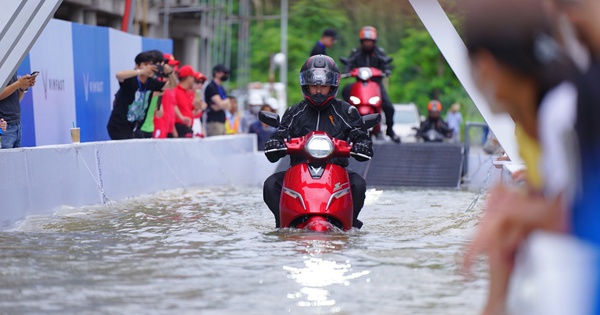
(51, 84)
(91, 86)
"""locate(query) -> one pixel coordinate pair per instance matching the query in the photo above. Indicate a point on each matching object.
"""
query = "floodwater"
(215, 251)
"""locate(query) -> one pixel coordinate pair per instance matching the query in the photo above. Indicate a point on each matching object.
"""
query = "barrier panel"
(44, 178)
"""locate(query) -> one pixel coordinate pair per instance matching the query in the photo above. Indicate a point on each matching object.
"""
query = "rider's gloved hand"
(362, 150)
(275, 149)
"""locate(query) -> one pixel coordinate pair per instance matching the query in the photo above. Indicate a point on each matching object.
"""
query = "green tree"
(421, 73)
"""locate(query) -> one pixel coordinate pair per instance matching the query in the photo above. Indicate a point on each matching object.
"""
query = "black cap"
(220, 68)
(330, 32)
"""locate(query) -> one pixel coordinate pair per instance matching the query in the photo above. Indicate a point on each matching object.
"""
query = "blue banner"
(92, 81)
(27, 120)
(164, 45)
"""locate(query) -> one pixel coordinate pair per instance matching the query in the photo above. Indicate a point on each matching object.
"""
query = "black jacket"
(338, 119)
(438, 125)
(376, 59)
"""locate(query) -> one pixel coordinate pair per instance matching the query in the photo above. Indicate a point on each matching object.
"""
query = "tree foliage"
(420, 72)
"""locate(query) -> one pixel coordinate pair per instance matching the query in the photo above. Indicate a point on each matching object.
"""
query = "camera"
(160, 70)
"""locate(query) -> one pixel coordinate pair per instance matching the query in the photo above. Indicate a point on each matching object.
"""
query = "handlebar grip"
(360, 155)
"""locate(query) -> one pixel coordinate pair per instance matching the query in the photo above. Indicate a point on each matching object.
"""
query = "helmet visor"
(319, 77)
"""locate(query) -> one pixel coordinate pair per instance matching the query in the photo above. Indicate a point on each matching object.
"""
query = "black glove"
(275, 149)
(362, 151)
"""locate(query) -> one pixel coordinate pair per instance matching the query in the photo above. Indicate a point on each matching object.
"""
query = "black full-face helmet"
(319, 70)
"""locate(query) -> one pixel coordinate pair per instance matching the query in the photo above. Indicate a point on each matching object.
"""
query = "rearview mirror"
(370, 121)
(269, 118)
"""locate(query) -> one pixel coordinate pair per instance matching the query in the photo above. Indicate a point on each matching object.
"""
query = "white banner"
(123, 49)
(54, 92)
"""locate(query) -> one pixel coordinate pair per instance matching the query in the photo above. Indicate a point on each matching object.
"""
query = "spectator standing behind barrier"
(253, 105)
(454, 120)
(184, 102)
(156, 112)
(216, 98)
(232, 123)
(199, 105)
(327, 41)
(263, 131)
(10, 109)
(132, 98)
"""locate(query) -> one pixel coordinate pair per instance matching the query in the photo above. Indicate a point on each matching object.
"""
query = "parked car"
(406, 118)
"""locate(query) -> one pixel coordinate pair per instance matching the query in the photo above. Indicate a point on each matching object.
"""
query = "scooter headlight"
(365, 74)
(319, 146)
(354, 100)
(374, 100)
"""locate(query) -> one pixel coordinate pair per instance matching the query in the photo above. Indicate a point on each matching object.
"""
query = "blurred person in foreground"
(521, 70)
(10, 109)
(218, 103)
(580, 31)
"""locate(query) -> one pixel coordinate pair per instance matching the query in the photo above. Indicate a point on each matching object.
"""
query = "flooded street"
(215, 251)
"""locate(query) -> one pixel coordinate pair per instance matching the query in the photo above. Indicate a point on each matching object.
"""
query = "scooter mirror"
(370, 121)
(269, 118)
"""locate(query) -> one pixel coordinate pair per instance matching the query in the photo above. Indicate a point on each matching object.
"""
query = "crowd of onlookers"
(160, 98)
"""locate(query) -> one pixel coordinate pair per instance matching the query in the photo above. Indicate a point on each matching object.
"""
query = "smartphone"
(34, 73)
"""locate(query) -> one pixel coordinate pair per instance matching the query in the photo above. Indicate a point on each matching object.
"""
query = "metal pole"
(166, 19)
(132, 14)
(229, 34)
(284, 47)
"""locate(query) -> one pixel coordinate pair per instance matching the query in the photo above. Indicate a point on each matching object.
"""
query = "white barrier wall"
(38, 180)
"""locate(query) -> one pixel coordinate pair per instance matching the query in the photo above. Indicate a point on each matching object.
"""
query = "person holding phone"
(10, 108)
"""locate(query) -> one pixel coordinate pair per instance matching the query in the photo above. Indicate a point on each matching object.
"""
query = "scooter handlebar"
(296, 146)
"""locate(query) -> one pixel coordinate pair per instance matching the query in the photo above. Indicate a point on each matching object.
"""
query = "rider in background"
(371, 55)
(320, 110)
(434, 121)
(327, 41)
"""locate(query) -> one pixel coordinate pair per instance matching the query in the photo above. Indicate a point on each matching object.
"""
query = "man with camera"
(136, 86)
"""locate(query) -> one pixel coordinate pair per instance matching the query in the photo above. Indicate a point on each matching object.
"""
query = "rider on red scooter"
(370, 55)
(320, 110)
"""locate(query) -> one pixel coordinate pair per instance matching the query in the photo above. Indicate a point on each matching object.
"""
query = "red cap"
(186, 71)
(199, 76)
(171, 61)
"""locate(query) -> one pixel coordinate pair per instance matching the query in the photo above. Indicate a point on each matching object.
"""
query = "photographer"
(136, 86)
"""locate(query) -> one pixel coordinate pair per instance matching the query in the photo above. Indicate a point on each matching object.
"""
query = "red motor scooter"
(316, 194)
(365, 93)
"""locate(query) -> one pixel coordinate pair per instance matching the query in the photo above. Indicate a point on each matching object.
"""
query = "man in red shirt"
(184, 102)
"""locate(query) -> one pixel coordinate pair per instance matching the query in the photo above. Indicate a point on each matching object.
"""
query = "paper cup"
(75, 135)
